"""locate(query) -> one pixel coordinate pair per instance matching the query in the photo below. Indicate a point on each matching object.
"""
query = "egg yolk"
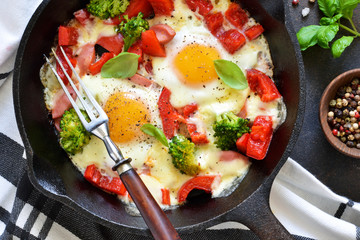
(194, 64)
(127, 113)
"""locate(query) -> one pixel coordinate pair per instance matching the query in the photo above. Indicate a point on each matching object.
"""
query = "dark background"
(337, 171)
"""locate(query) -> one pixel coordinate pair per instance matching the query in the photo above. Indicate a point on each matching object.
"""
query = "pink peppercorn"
(335, 132)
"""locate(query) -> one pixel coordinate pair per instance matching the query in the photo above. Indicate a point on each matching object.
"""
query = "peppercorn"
(347, 95)
(358, 145)
(357, 98)
(339, 104)
(332, 103)
(353, 104)
(353, 120)
(355, 81)
(347, 125)
(357, 136)
(335, 132)
(295, 2)
(330, 119)
(355, 125)
(345, 113)
(338, 113)
(348, 90)
(343, 139)
(350, 144)
(345, 102)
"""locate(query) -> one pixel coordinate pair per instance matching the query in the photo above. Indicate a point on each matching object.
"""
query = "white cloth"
(303, 205)
(308, 208)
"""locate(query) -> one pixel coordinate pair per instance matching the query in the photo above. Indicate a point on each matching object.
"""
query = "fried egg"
(188, 72)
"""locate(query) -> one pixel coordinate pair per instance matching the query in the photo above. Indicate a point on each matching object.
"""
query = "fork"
(155, 218)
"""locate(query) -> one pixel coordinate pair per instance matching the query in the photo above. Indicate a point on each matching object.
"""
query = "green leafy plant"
(123, 65)
(153, 131)
(328, 28)
(230, 74)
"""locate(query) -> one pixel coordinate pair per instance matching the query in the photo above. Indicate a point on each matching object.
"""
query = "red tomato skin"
(202, 6)
(196, 137)
(69, 53)
(236, 15)
(113, 43)
(136, 48)
(110, 184)
(259, 82)
(169, 116)
(137, 6)
(151, 45)
(241, 143)
(214, 22)
(165, 196)
(254, 32)
(199, 182)
(95, 67)
(162, 7)
(68, 36)
(260, 137)
(232, 40)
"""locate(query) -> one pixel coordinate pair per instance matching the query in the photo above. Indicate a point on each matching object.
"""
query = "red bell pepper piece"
(214, 23)
(110, 184)
(136, 48)
(259, 82)
(69, 53)
(232, 40)
(162, 7)
(260, 137)
(95, 67)
(111, 43)
(196, 137)
(137, 6)
(83, 16)
(151, 45)
(254, 32)
(236, 15)
(241, 143)
(199, 182)
(170, 118)
(68, 36)
(165, 196)
(202, 6)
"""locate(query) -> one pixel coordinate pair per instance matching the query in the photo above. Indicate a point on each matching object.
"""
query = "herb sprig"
(325, 32)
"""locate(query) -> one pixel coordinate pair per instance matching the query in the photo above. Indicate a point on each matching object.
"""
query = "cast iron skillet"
(54, 175)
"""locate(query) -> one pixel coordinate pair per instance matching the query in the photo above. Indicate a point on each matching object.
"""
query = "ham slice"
(62, 103)
(232, 155)
(85, 57)
(164, 33)
(141, 80)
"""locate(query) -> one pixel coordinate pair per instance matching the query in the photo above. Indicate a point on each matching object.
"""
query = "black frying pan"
(54, 175)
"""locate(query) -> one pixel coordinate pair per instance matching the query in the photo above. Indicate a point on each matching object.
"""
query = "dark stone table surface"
(337, 171)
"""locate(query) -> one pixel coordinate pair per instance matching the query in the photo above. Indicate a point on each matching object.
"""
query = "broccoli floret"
(131, 29)
(228, 128)
(107, 8)
(73, 135)
(182, 151)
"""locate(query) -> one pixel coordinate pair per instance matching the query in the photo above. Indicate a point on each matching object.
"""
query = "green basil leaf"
(328, 21)
(123, 65)
(231, 74)
(329, 7)
(307, 36)
(153, 131)
(347, 7)
(326, 34)
(340, 44)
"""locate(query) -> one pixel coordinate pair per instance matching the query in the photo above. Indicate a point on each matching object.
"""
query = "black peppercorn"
(338, 113)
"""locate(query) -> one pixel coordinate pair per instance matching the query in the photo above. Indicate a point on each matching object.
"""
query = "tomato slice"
(236, 15)
(69, 53)
(254, 32)
(136, 48)
(260, 137)
(241, 143)
(151, 45)
(196, 137)
(214, 23)
(199, 182)
(165, 196)
(202, 6)
(169, 116)
(162, 7)
(68, 36)
(232, 40)
(110, 184)
(137, 6)
(95, 67)
(259, 82)
(113, 43)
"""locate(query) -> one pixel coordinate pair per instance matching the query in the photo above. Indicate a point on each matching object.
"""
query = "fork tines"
(97, 118)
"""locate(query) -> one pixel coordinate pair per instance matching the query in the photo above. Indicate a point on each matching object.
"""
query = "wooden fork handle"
(155, 218)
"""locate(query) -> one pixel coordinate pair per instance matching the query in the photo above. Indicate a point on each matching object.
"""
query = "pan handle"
(155, 218)
(255, 213)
